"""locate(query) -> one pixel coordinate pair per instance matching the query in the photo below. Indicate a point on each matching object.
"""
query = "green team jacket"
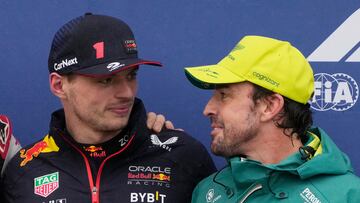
(326, 177)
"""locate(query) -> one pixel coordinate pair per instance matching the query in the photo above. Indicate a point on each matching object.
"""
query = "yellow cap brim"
(207, 77)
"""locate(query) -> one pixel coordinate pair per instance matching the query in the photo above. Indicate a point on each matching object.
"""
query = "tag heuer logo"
(47, 184)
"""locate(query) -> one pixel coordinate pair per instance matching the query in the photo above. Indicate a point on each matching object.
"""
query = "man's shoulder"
(215, 187)
(349, 181)
(178, 140)
(183, 137)
(9, 144)
(31, 152)
(337, 188)
(183, 148)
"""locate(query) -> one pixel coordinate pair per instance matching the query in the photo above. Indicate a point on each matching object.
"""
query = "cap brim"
(114, 67)
(207, 77)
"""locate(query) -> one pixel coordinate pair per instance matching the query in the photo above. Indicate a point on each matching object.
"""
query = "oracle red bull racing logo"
(45, 146)
(149, 175)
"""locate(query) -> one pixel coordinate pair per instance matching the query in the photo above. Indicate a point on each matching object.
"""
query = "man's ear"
(272, 105)
(56, 83)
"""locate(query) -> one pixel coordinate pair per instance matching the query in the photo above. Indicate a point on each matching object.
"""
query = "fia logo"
(338, 92)
(156, 141)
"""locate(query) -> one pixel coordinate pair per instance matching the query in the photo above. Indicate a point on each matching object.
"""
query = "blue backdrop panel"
(188, 33)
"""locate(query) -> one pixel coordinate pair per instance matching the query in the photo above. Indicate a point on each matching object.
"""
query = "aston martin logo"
(156, 141)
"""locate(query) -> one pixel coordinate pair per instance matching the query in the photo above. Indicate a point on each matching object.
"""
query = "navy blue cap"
(94, 45)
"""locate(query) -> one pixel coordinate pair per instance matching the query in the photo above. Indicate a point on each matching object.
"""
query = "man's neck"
(274, 146)
(90, 137)
(84, 134)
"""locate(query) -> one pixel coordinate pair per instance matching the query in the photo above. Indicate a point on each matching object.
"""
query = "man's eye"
(132, 75)
(106, 81)
(223, 95)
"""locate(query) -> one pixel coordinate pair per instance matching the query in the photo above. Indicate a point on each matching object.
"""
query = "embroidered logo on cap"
(114, 65)
(65, 63)
(130, 46)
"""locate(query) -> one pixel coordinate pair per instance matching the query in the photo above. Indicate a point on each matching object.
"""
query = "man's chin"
(215, 150)
(219, 151)
(115, 126)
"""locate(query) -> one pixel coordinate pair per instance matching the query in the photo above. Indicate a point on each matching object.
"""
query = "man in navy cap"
(99, 148)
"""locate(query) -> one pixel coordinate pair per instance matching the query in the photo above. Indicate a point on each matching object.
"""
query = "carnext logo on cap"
(65, 63)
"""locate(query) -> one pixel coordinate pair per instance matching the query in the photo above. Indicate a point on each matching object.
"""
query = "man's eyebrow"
(221, 86)
(134, 70)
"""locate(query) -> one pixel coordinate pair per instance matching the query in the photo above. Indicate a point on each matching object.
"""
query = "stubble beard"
(232, 142)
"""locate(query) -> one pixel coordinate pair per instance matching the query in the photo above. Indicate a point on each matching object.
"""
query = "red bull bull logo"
(93, 148)
(96, 152)
(46, 145)
(161, 177)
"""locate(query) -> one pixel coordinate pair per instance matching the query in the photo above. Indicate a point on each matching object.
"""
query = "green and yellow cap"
(273, 64)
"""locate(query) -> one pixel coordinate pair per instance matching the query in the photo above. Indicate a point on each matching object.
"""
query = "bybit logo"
(147, 197)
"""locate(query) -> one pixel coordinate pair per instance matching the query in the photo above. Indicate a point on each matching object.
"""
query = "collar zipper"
(94, 188)
(250, 192)
(94, 195)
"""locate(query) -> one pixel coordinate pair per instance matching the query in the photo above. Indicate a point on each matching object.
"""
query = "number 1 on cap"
(99, 48)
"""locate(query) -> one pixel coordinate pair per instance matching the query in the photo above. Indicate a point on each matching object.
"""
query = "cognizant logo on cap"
(65, 63)
(338, 91)
(265, 78)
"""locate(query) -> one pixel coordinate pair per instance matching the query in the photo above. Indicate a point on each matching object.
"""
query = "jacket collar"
(136, 126)
(328, 159)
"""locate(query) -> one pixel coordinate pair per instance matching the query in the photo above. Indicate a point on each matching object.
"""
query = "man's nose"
(125, 88)
(210, 108)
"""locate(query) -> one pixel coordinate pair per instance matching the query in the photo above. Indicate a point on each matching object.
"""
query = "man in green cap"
(262, 123)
